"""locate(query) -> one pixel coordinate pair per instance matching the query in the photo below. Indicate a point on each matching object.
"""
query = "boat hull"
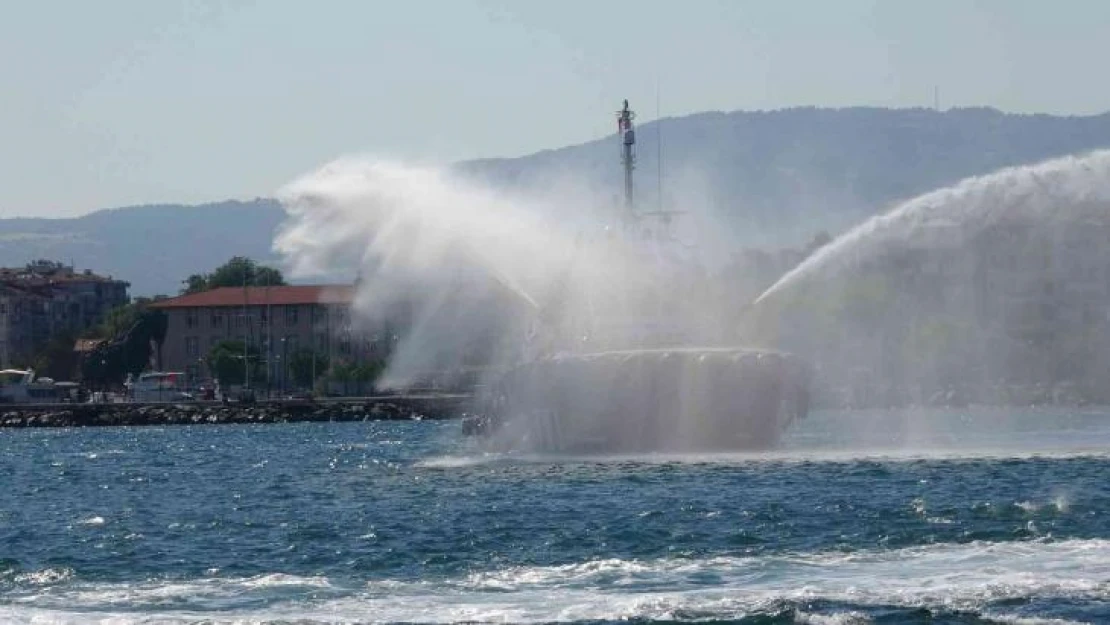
(681, 400)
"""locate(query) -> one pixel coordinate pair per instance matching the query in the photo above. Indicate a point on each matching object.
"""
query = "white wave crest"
(966, 577)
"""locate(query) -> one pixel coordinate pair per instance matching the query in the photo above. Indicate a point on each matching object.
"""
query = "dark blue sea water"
(930, 517)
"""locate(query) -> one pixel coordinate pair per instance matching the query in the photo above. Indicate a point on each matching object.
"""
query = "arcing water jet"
(990, 291)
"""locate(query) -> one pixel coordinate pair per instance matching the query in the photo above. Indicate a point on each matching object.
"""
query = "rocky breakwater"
(91, 415)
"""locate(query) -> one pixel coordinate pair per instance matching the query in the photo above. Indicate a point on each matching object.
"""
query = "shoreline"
(385, 408)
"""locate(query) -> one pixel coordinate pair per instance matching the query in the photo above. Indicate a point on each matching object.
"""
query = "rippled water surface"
(938, 517)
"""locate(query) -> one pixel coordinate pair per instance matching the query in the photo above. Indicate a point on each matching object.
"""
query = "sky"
(123, 102)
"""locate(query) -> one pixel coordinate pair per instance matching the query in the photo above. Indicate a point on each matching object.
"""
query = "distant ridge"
(776, 176)
(782, 175)
(153, 247)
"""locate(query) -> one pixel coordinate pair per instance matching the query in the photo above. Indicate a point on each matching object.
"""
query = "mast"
(658, 151)
(628, 155)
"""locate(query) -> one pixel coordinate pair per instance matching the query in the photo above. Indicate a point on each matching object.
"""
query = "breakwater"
(391, 408)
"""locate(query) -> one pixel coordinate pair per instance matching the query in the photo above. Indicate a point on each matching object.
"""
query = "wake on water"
(999, 580)
(989, 579)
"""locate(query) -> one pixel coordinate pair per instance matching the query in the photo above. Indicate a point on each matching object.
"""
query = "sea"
(919, 516)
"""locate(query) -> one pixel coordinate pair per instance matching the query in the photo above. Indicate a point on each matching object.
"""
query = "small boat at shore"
(157, 386)
(21, 386)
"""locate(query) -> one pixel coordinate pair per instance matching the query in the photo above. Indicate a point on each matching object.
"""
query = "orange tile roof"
(86, 345)
(231, 296)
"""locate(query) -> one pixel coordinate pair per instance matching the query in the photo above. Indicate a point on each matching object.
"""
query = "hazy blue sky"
(121, 102)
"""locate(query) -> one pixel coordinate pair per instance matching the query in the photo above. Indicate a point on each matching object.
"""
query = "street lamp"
(312, 384)
(201, 365)
(248, 334)
(284, 363)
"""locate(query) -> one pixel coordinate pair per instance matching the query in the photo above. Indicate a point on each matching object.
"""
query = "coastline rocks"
(92, 415)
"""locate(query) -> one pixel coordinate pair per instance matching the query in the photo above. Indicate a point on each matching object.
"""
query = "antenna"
(659, 148)
(628, 156)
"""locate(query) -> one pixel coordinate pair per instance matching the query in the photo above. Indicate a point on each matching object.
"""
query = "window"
(192, 346)
(319, 314)
(244, 319)
(290, 315)
(291, 344)
(191, 318)
(217, 319)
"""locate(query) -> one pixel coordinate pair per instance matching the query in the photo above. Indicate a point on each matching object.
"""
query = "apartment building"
(277, 321)
(45, 299)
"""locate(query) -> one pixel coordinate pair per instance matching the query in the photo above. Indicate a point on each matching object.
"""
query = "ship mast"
(628, 159)
(628, 155)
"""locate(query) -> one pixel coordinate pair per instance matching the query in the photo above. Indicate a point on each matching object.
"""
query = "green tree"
(225, 361)
(238, 271)
(125, 351)
(367, 372)
(195, 283)
(344, 373)
(301, 366)
(57, 360)
(121, 318)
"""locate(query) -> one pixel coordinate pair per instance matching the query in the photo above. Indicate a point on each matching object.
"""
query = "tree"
(121, 318)
(195, 283)
(368, 372)
(225, 361)
(57, 360)
(301, 366)
(239, 271)
(343, 373)
(126, 351)
(362, 374)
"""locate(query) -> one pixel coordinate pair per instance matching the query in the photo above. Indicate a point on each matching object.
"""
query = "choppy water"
(953, 517)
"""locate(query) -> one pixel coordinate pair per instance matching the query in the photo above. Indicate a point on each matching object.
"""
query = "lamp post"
(244, 322)
(284, 363)
(312, 384)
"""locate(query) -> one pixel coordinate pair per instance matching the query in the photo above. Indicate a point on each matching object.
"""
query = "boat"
(157, 386)
(21, 386)
(640, 382)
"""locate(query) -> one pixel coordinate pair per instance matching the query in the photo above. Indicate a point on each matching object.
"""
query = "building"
(47, 299)
(276, 320)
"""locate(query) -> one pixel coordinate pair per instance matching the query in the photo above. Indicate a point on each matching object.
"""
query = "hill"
(780, 176)
(776, 177)
(153, 247)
